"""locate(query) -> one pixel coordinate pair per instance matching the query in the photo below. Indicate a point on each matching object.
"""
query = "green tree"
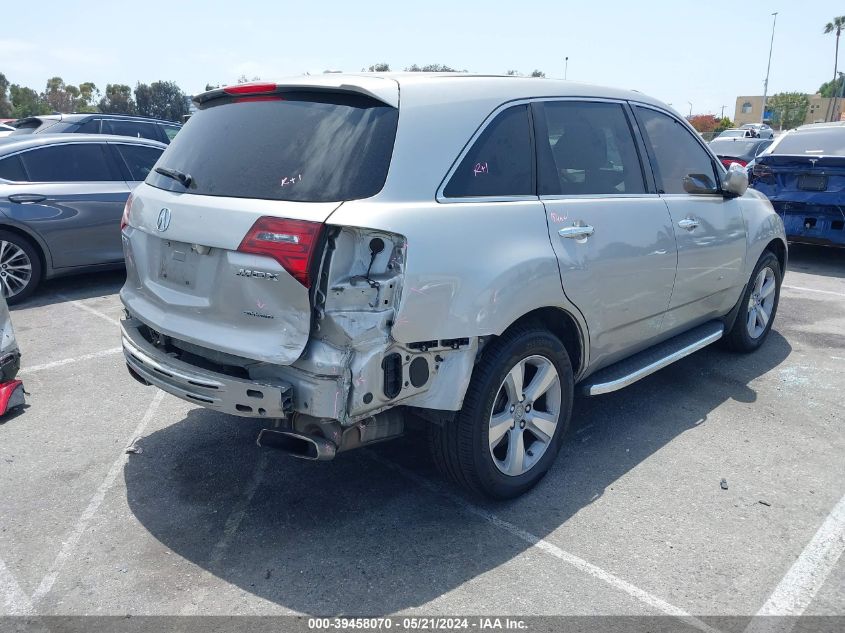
(26, 102)
(88, 97)
(58, 96)
(432, 68)
(835, 27)
(5, 104)
(161, 100)
(513, 73)
(789, 109)
(117, 100)
(378, 68)
(538, 73)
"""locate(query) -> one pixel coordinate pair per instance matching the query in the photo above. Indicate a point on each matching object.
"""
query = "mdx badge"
(163, 220)
(257, 274)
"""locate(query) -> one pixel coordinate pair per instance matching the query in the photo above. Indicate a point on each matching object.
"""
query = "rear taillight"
(124, 220)
(762, 172)
(290, 242)
(727, 162)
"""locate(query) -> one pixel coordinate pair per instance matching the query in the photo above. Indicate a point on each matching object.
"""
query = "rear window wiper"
(175, 174)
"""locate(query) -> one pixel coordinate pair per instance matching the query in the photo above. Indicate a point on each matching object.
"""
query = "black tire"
(29, 251)
(739, 338)
(461, 448)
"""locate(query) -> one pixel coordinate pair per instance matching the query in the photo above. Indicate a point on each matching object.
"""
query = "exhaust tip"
(311, 447)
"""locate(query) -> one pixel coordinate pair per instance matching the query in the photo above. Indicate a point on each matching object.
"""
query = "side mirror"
(699, 183)
(735, 182)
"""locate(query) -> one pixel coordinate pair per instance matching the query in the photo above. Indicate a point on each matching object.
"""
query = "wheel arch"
(779, 248)
(565, 326)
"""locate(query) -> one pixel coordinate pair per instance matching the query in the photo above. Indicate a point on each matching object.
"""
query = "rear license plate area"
(178, 264)
(812, 182)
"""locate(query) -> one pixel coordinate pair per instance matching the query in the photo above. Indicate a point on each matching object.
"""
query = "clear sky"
(706, 53)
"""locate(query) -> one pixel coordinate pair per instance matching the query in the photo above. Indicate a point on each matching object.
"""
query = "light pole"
(566, 68)
(768, 68)
(690, 107)
(723, 112)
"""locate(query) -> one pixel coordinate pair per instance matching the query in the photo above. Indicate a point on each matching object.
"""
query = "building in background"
(749, 108)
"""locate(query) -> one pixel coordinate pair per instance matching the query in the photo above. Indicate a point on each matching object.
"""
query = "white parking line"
(82, 306)
(69, 545)
(233, 522)
(806, 576)
(824, 292)
(553, 550)
(25, 371)
(14, 600)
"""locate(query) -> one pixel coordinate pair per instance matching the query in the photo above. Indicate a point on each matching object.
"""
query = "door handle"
(690, 224)
(576, 232)
(27, 197)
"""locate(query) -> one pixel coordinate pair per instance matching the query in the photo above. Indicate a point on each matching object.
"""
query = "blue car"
(803, 174)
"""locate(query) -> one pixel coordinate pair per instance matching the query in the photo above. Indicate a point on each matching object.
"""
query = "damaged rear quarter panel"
(471, 269)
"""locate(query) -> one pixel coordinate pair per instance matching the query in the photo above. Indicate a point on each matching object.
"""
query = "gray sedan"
(61, 200)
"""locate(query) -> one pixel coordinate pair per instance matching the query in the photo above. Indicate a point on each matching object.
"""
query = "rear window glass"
(823, 142)
(307, 147)
(734, 148)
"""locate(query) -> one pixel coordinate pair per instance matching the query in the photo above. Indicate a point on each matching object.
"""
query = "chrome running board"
(638, 366)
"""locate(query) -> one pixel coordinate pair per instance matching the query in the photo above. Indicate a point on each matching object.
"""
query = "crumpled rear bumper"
(228, 394)
(812, 223)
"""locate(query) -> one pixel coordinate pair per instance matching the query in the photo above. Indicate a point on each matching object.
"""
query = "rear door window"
(500, 162)
(677, 156)
(139, 159)
(92, 126)
(299, 146)
(138, 129)
(11, 168)
(586, 148)
(69, 162)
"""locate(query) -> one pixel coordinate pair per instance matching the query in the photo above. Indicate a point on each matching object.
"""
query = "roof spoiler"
(381, 89)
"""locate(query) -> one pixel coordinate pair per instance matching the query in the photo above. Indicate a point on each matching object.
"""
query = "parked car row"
(61, 200)
(738, 150)
(97, 123)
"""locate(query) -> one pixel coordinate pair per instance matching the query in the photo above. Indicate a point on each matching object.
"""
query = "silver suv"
(354, 255)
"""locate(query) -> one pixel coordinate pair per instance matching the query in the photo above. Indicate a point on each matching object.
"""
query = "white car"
(737, 133)
(761, 130)
(5, 130)
(342, 261)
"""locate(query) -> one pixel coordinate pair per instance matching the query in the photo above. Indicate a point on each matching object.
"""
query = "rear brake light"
(250, 88)
(289, 242)
(124, 220)
(727, 162)
(762, 172)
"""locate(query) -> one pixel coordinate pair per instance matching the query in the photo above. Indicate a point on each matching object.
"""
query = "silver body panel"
(456, 269)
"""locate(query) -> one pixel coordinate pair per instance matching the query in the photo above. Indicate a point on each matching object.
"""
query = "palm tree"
(836, 26)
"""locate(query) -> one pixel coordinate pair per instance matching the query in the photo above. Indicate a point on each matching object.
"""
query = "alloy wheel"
(525, 415)
(15, 269)
(761, 303)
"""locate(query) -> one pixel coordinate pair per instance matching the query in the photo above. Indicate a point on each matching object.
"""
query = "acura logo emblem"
(163, 219)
